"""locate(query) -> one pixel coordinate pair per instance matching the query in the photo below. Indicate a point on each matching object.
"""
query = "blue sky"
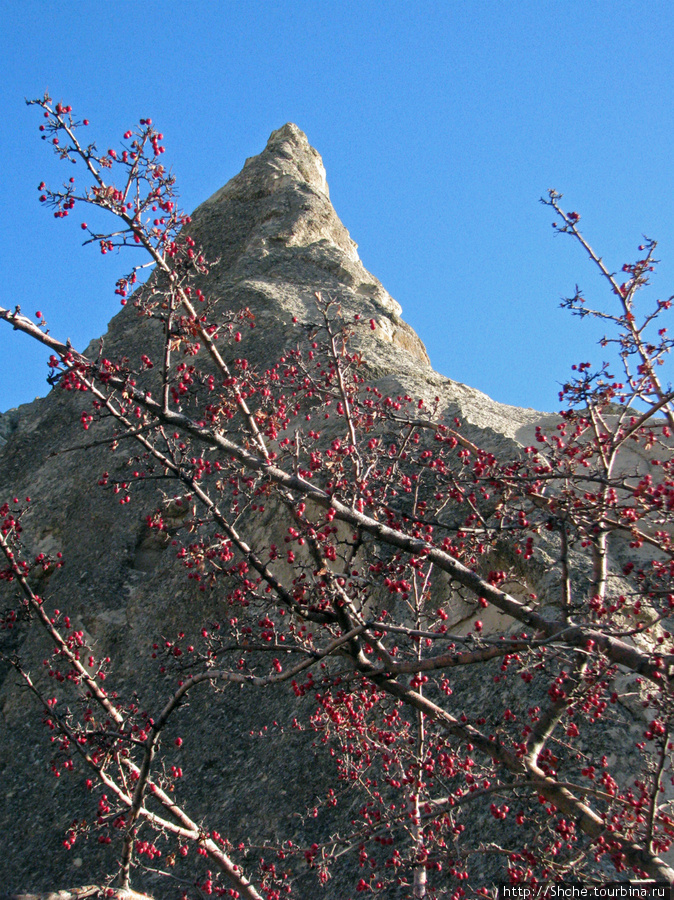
(440, 125)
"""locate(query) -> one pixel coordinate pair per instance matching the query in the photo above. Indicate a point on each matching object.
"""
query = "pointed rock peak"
(287, 163)
(280, 195)
(290, 148)
(289, 133)
(278, 240)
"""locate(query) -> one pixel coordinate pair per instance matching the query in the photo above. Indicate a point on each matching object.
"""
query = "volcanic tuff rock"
(277, 240)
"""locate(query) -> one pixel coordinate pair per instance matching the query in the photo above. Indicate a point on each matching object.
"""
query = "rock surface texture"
(277, 240)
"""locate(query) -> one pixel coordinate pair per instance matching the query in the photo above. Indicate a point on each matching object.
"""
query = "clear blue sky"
(440, 125)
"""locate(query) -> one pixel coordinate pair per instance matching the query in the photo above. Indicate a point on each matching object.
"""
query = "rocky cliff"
(277, 240)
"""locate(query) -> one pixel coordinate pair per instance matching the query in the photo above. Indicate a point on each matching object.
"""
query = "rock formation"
(277, 240)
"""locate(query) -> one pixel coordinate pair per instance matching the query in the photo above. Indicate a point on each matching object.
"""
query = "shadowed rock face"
(277, 239)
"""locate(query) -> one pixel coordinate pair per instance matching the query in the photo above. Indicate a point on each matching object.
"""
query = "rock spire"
(279, 239)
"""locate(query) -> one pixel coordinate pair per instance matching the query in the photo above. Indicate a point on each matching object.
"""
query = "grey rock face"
(277, 240)
(9, 422)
